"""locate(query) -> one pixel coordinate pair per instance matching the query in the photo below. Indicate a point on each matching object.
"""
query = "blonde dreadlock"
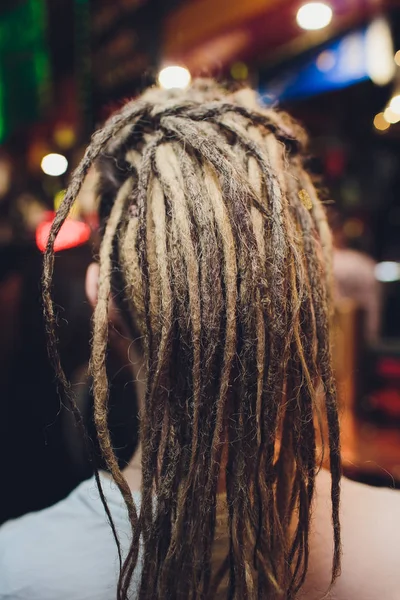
(216, 232)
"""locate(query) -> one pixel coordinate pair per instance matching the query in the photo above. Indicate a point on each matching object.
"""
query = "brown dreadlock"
(218, 244)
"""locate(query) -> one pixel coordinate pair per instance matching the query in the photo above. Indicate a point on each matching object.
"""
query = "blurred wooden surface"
(346, 346)
(368, 450)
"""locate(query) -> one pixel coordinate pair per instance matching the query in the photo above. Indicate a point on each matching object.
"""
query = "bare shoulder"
(370, 520)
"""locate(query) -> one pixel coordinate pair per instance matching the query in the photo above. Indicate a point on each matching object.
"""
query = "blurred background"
(64, 66)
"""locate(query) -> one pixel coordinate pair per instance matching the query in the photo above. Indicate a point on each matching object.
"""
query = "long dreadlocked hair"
(214, 237)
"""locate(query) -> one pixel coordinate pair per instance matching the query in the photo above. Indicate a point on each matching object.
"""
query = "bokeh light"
(314, 15)
(395, 104)
(239, 71)
(387, 271)
(54, 164)
(380, 123)
(174, 77)
(390, 116)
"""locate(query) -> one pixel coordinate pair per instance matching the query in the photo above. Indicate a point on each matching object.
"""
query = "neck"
(133, 471)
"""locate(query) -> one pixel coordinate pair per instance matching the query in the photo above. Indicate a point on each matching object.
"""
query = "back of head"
(216, 246)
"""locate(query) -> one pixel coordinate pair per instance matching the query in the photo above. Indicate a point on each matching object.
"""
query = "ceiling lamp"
(174, 77)
(314, 15)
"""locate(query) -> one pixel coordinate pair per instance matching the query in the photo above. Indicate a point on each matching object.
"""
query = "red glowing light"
(72, 234)
(389, 367)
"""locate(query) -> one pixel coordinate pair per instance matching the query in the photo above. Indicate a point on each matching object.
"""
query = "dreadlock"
(216, 231)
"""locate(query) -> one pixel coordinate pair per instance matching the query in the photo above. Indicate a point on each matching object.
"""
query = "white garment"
(67, 551)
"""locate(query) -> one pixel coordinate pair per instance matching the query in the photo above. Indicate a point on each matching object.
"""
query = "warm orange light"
(380, 123)
(72, 234)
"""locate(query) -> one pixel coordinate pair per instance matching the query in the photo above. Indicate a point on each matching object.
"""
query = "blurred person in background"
(214, 271)
(354, 278)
